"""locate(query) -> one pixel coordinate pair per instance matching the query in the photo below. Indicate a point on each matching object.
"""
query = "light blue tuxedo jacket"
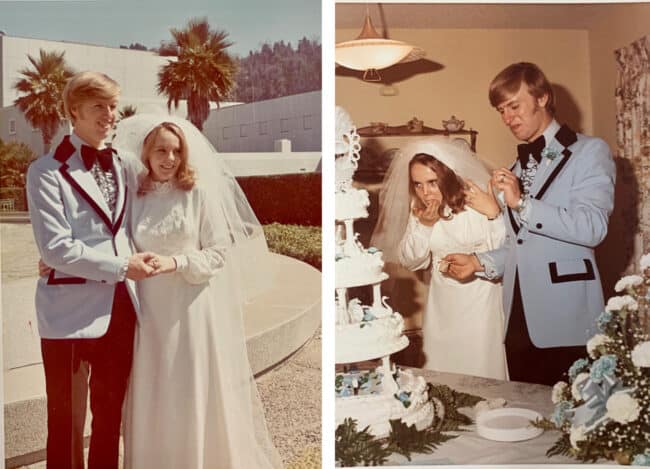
(572, 196)
(78, 237)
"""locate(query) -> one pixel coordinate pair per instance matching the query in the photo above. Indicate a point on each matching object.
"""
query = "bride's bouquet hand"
(427, 212)
(482, 201)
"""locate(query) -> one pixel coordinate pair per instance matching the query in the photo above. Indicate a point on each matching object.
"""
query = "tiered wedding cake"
(363, 333)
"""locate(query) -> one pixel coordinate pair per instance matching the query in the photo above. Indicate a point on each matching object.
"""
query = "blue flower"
(605, 365)
(641, 459)
(577, 367)
(404, 398)
(559, 414)
(550, 153)
(603, 319)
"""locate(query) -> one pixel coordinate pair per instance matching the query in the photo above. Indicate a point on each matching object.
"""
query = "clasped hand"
(141, 265)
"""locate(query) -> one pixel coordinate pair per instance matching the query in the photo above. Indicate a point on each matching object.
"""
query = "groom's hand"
(462, 266)
(504, 180)
(138, 266)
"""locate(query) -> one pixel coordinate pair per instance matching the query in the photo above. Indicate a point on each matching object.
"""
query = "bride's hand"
(482, 201)
(162, 265)
(427, 214)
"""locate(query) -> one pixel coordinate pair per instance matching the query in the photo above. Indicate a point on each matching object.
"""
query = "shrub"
(292, 199)
(300, 242)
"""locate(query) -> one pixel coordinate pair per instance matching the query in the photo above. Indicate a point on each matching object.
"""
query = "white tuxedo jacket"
(78, 237)
(571, 198)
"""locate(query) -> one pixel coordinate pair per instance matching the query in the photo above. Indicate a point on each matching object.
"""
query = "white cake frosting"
(363, 268)
(356, 342)
(351, 203)
(375, 410)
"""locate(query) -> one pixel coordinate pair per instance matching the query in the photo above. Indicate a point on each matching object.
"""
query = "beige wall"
(613, 27)
(470, 58)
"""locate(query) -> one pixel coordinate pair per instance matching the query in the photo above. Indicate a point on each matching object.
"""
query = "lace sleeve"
(198, 265)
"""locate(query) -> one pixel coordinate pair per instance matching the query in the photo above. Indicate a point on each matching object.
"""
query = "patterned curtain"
(633, 138)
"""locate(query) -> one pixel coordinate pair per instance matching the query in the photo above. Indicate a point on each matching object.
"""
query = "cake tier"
(351, 204)
(367, 340)
(373, 408)
(362, 268)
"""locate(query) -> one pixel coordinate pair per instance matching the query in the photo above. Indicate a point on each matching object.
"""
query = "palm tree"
(42, 93)
(203, 72)
(127, 111)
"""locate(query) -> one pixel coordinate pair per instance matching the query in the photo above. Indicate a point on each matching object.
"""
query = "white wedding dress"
(463, 325)
(178, 410)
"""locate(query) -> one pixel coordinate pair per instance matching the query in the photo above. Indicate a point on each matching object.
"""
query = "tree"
(15, 158)
(127, 111)
(203, 71)
(42, 93)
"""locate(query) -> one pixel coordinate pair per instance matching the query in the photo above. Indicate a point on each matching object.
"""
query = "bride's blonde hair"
(185, 177)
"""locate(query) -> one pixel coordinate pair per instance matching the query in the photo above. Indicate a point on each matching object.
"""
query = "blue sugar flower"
(404, 398)
(603, 319)
(605, 365)
(559, 414)
(577, 367)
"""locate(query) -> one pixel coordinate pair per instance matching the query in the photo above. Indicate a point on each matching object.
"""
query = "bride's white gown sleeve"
(192, 402)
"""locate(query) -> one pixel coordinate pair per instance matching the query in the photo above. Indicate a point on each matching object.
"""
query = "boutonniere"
(549, 153)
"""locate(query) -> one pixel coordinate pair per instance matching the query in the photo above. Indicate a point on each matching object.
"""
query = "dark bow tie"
(104, 156)
(533, 148)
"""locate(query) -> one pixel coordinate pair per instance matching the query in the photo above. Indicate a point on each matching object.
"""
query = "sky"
(249, 23)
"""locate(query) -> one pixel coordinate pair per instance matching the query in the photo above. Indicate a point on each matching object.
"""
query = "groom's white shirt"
(78, 237)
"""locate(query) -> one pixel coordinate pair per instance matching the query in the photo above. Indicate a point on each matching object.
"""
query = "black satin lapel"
(513, 222)
(64, 172)
(566, 137)
(64, 150)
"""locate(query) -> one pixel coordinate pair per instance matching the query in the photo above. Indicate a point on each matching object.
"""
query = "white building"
(253, 127)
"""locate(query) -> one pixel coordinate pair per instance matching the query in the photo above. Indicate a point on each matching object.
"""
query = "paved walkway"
(290, 392)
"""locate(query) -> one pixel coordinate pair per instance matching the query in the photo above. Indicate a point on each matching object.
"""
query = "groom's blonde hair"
(88, 85)
(510, 79)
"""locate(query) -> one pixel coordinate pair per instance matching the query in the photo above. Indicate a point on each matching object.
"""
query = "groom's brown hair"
(510, 79)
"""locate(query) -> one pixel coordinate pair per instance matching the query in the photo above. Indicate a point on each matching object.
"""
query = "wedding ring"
(502, 178)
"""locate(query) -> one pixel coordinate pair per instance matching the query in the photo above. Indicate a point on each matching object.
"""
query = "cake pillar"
(342, 316)
(389, 384)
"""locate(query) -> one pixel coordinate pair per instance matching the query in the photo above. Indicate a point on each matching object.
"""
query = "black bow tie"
(104, 156)
(533, 148)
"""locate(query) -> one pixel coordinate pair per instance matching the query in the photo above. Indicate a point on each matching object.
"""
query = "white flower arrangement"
(603, 411)
(629, 281)
(618, 303)
(622, 408)
(641, 355)
(594, 344)
(558, 391)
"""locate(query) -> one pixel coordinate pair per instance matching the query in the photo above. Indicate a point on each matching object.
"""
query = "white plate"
(508, 424)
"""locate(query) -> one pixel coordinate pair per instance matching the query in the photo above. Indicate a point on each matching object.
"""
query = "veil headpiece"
(394, 197)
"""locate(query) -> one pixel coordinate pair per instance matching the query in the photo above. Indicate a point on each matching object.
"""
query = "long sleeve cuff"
(181, 262)
(486, 261)
(121, 276)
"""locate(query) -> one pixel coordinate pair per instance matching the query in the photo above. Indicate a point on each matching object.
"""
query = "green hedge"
(300, 242)
(290, 199)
